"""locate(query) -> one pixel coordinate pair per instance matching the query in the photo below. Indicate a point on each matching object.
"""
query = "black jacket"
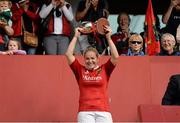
(172, 94)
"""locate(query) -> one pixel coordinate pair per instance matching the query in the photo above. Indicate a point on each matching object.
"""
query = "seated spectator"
(13, 48)
(172, 94)
(168, 45)
(135, 46)
(92, 10)
(121, 37)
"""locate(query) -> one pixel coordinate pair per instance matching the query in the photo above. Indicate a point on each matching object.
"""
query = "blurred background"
(136, 9)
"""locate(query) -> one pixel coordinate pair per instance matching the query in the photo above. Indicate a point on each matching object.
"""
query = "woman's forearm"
(70, 51)
(167, 15)
(113, 49)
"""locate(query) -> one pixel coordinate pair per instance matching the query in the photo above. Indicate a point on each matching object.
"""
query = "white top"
(45, 10)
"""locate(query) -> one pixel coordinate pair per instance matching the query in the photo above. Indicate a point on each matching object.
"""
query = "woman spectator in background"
(92, 10)
(25, 18)
(121, 37)
(56, 38)
(172, 18)
(168, 44)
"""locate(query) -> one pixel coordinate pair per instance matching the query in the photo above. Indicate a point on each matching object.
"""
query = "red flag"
(151, 40)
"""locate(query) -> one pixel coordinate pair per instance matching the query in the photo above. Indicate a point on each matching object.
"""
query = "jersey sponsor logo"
(92, 78)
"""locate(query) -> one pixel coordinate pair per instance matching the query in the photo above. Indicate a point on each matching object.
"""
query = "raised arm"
(70, 51)
(166, 16)
(67, 10)
(81, 14)
(8, 30)
(114, 52)
(46, 9)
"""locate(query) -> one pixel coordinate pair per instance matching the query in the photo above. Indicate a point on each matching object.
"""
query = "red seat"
(158, 113)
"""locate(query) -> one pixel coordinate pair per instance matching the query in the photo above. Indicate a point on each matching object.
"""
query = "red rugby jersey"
(93, 86)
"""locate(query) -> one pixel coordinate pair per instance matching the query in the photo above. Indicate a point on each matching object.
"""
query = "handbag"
(30, 39)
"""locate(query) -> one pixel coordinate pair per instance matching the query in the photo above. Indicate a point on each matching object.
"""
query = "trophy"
(96, 27)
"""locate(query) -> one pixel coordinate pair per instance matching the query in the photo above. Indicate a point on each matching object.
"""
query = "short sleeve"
(109, 67)
(76, 67)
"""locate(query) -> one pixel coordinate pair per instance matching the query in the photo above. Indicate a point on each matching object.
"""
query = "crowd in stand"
(53, 22)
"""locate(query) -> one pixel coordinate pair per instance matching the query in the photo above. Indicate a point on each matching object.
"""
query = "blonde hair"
(167, 35)
(136, 37)
(90, 48)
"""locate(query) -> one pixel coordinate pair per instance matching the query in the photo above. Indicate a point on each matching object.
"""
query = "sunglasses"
(136, 42)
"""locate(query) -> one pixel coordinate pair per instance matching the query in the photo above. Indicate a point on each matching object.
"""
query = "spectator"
(135, 46)
(93, 80)
(14, 48)
(121, 37)
(172, 17)
(37, 5)
(168, 45)
(5, 20)
(92, 10)
(172, 94)
(56, 39)
(25, 18)
(5, 12)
